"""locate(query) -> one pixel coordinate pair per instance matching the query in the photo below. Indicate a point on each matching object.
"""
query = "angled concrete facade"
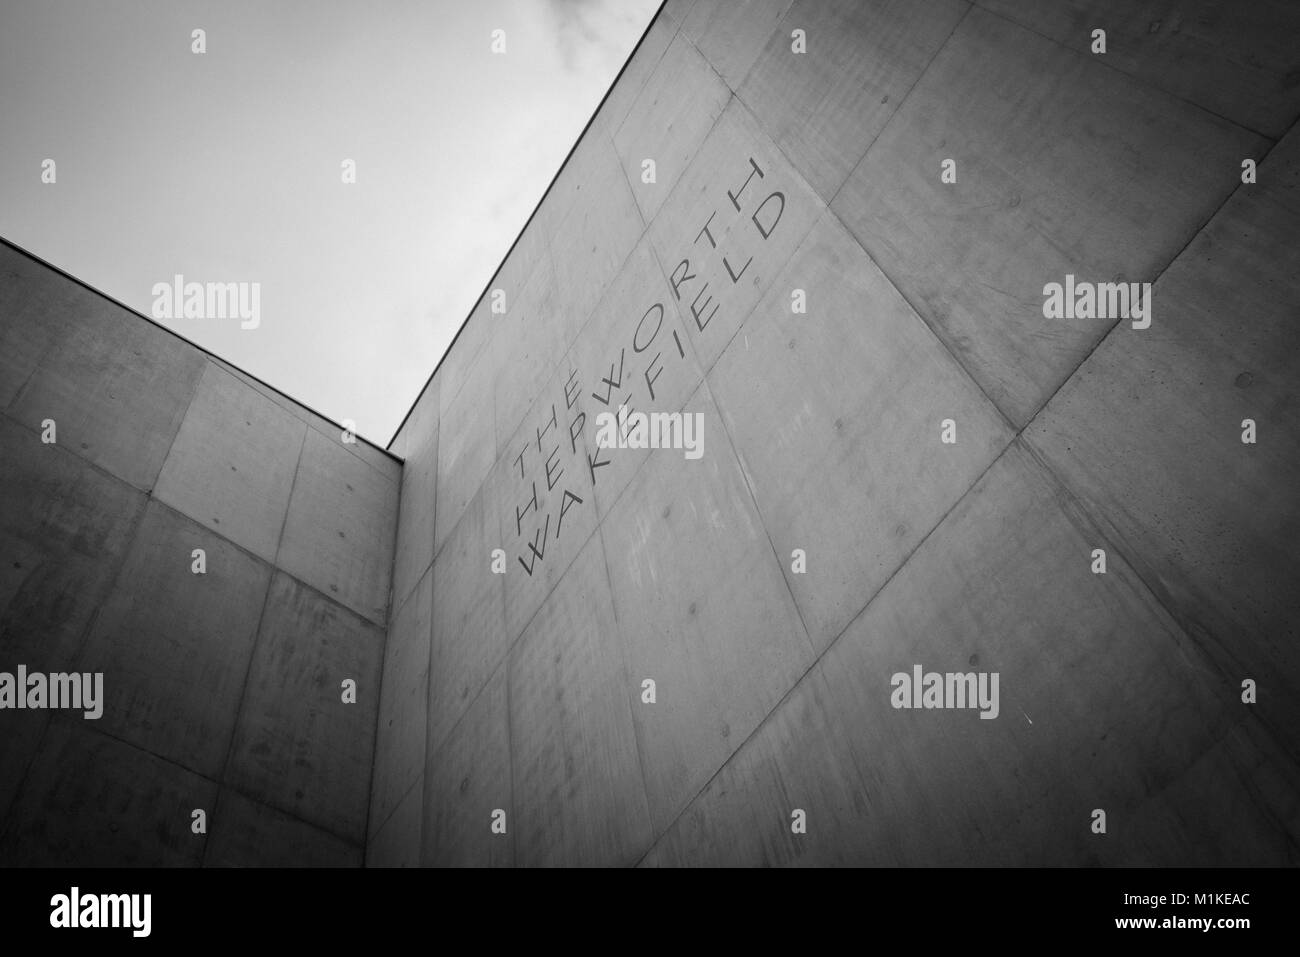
(222, 690)
(781, 175)
(823, 230)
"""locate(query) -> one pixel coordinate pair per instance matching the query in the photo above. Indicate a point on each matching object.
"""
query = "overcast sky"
(225, 166)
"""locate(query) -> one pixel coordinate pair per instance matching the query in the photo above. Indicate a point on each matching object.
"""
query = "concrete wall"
(522, 692)
(222, 691)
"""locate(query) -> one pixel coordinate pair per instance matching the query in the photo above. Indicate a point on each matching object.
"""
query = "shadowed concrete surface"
(572, 654)
(1120, 690)
(222, 690)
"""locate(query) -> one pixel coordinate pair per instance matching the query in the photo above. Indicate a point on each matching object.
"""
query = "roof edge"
(528, 222)
(190, 342)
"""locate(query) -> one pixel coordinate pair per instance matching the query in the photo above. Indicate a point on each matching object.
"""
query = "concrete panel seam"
(222, 789)
(348, 447)
(293, 486)
(379, 691)
(934, 336)
(22, 780)
(248, 672)
(180, 424)
(775, 30)
(744, 475)
(422, 777)
(365, 849)
(901, 103)
(216, 815)
(613, 131)
(36, 367)
(324, 829)
(627, 676)
(1117, 543)
(93, 618)
(76, 452)
(374, 752)
(1165, 268)
(73, 720)
(818, 657)
(392, 558)
(504, 666)
(274, 568)
(512, 640)
(1131, 76)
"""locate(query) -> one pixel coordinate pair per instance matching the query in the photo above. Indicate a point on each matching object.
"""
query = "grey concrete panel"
(467, 779)
(667, 122)
(528, 345)
(115, 385)
(397, 841)
(1090, 174)
(643, 62)
(374, 456)
(422, 422)
(245, 833)
(656, 857)
(703, 611)
(1118, 712)
(574, 178)
(798, 760)
(824, 107)
(532, 247)
(732, 34)
(23, 731)
(578, 794)
(1238, 60)
(299, 746)
(1234, 806)
(836, 413)
(466, 447)
(1214, 527)
(339, 533)
(709, 236)
(64, 530)
(522, 692)
(474, 335)
(232, 465)
(469, 630)
(592, 240)
(174, 646)
(400, 748)
(676, 10)
(93, 801)
(542, 493)
(36, 308)
(415, 525)
(633, 352)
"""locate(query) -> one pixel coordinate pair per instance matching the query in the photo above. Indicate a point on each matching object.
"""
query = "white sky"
(225, 166)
